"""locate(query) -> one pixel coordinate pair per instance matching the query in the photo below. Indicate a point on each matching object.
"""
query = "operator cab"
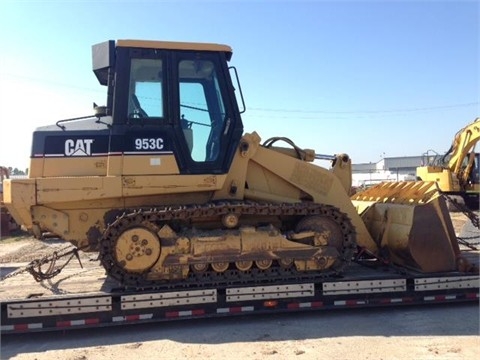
(473, 162)
(169, 97)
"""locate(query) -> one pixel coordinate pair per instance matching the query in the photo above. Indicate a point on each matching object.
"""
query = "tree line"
(17, 171)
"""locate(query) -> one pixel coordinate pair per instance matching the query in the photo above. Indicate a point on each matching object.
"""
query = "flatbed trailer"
(62, 303)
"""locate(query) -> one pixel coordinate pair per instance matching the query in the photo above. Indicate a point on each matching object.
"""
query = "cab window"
(145, 99)
(202, 111)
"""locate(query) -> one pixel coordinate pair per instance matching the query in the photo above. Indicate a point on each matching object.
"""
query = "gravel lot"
(438, 332)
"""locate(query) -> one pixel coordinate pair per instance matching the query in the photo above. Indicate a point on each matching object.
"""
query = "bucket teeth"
(403, 192)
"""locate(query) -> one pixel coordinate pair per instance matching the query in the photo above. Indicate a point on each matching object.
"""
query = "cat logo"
(78, 147)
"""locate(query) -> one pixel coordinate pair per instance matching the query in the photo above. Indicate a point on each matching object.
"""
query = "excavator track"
(221, 216)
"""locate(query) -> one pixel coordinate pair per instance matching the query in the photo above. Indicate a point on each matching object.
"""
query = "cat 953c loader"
(165, 185)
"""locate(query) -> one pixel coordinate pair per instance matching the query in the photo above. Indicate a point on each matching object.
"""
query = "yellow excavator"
(457, 172)
(166, 186)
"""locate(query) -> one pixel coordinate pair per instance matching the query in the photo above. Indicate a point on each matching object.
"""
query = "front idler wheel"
(137, 249)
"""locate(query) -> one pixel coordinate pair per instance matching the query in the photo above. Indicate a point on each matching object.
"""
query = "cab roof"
(173, 45)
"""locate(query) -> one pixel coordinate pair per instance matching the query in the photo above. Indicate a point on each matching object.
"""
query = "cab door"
(207, 119)
(143, 140)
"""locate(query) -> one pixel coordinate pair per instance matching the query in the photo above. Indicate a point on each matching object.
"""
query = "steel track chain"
(135, 217)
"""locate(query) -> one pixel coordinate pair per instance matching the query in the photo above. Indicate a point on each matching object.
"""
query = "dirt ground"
(420, 332)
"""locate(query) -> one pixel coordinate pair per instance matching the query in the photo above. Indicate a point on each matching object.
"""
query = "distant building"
(387, 169)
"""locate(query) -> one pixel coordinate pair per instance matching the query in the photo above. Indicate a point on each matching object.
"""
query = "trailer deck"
(64, 303)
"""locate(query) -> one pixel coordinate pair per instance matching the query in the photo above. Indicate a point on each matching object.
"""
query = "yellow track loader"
(164, 183)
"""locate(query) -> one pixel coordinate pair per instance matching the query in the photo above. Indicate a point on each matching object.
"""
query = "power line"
(366, 112)
(50, 82)
(280, 110)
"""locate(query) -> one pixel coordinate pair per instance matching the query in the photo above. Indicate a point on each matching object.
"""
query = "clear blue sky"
(370, 79)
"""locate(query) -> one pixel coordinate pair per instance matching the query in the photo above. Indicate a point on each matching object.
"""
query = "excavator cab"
(457, 172)
(470, 170)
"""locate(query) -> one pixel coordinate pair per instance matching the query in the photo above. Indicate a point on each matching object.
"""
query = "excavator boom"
(463, 144)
